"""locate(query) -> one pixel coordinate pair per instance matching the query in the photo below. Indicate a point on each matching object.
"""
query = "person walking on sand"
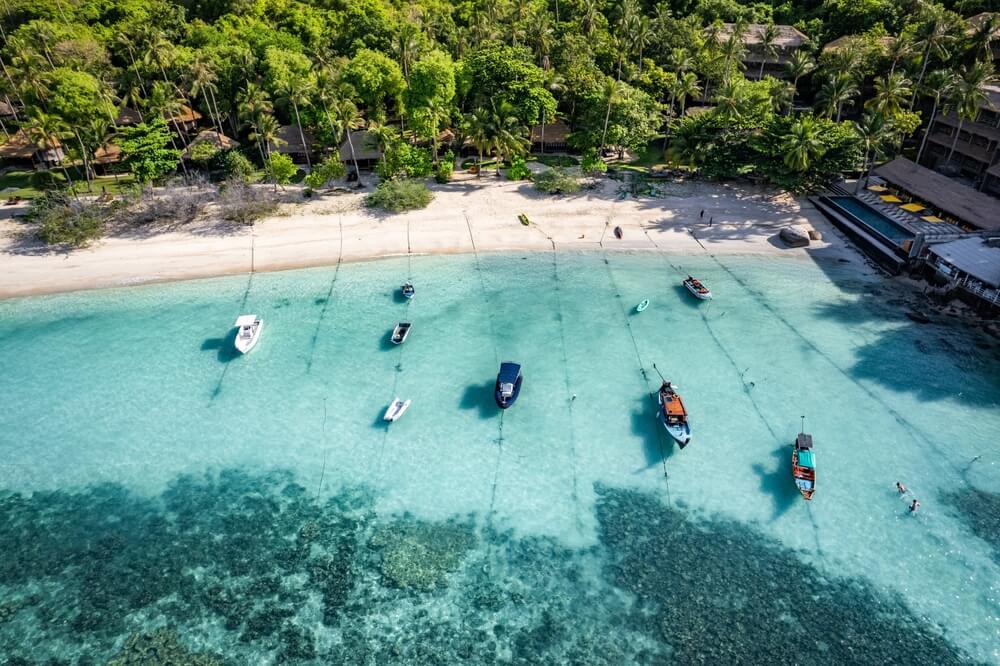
(901, 488)
(710, 220)
(701, 215)
(914, 506)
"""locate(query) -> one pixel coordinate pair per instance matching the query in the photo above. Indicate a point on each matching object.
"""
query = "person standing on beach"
(701, 215)
(710, 220)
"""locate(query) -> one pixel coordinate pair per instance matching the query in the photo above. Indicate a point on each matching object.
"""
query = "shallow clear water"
(258, 507)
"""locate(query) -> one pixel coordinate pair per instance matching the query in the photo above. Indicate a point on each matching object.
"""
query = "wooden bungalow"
(550, 136)
(186, 119)
(127, 117)
(20, 150)
(290, 143)
(366, 150)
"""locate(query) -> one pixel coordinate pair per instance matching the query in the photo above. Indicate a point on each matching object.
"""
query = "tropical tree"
(297, 92)
(610, 89)
(684, 86)
(768, 42)
(554, 83)
(935, 38)
(347, 117)
(264, 130)
(800, 65)
(971, 94)
(838, 90)
(479, 132)
(802, 144)
(202, 83)
(891, 93)
(939, 85)
(508, 138)
(875, 134)
(47, 132)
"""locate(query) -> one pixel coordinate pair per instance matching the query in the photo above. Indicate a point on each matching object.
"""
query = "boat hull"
(701, 296)
(396, 409)
(642, 306)
(804, 477)
(244, 345)
(400, 333)
(681, 433)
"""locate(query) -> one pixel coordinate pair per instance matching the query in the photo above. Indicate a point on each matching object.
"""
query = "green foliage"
(329, 169)
(400, 195)
(280, 169)
(556, 181)
(237, 166)
(202, 152)
(64, 221)
(376, 78)
(75, 97)
(495, 75)
(518, 170)
(444, 168)
(145, 152)
(634, 120)
(592, 163)
(432, 81)
(555, 160)
(401, 159)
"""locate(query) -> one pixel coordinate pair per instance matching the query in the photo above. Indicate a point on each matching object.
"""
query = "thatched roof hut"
(556, 134)
(290, 141)
(20, 147)
(220, 141)
(366, 149)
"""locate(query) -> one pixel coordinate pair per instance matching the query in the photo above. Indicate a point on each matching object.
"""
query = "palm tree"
(838, 90)
(800, 65)
(641, 35)
(478, 130)
(203, 83)
(264, 130)
(781, 93)
(508, 135)
(970, 95)
(732, 54)
(768, 40)
(554, 83)
(981, 40)
(348, 118)
(730, 100)
(46, 132)
(685, 85)
(164, 102)
(891, 92)
(802, 144)
(590, 10)
(901, 48)
(611, 92)
(124, 40)
(297, 93)
(874, 132)
(406, 46)
(935, 38)
(939, 85)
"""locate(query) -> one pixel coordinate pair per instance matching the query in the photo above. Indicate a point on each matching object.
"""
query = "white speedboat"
(249, 327)
(401, 332)
(699, 290)
(396, 409)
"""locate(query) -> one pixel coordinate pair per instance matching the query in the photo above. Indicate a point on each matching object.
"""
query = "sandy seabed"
(466, 215)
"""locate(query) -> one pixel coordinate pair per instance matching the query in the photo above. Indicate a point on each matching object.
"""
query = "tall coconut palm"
(406, 46)
(164, 101)
(508, 138)
(590, 13)
(479, 132)
(781, 93)
(348, 118)
(732, 51)
(838, 90)
(47, 132)
(684, 86)
(800, 65)
(640, 34)
(980, 42)
(971, 94)
(891, 92)
(124, 40)
(802, 145)
(768, 45)
(202, 78)
(554, 83)
(939, 86)
(875, 132)
(935, 39)
(730, 101)
(611, 92)
(297, 92)
(901, 48)
(264, 130)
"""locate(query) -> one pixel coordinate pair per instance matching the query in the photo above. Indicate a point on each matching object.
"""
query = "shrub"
(592, 163)
(280, 169)
(518, 171)
(237, 165)
(243, 203)
(65, 221)
(556, 181)
(43, 180)
(202, 153)
(329, 169)
(445, 167)
(400, 195)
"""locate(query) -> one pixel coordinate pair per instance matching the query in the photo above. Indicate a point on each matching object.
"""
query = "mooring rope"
(329, 296)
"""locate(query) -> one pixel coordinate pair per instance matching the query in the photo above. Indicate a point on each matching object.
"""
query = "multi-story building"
(787, 40)
(971, 151)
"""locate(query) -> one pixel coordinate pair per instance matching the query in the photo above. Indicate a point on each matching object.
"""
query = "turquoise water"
(874, 219)
(158, 492)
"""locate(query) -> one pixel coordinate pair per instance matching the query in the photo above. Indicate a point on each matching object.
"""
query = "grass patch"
(400, 195)
(26, 183)
(555, 160)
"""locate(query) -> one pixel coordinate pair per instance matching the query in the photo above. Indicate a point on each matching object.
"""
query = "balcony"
(978, 153)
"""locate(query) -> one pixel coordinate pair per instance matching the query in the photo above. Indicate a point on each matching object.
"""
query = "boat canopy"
(508, 372)
(804, 441)
(807, 459)
(245, 320)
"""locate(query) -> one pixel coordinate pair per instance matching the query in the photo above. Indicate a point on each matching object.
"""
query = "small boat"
(400, 333)
(618, 233)
(804, 465)
(699, 290)
(673, 414)
(524, 219)
(508, 385)
(642, 306)
(396, 409)
(408, 291)
(249, 332)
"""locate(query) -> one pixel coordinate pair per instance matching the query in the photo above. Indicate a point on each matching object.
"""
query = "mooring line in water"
(329, 296)
(642, 370)
(913, 430)
(496, 474)
(326, 452)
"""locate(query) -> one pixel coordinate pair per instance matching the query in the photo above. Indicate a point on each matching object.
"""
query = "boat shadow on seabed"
(777, 482)
(656, 445)
(225, 346)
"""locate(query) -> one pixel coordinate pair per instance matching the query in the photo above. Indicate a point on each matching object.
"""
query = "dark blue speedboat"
(508, 384)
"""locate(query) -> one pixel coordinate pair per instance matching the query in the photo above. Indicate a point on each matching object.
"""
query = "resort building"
(759, 58)
(366, 150)
(970, 148)
(220, 141)
(971, 264)
(550, 136)
(288, 140)
(21, 150)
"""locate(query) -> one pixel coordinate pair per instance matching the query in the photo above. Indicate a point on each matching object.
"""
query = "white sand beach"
(467, 214)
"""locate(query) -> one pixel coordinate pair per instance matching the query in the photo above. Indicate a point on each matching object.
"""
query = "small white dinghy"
(249, 327)
(396, 409)
(401, 332)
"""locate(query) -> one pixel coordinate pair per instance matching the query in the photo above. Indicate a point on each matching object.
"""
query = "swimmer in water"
(914, 506)
(901, 488)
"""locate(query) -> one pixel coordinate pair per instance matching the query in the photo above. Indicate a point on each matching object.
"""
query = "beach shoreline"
(469, 215)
